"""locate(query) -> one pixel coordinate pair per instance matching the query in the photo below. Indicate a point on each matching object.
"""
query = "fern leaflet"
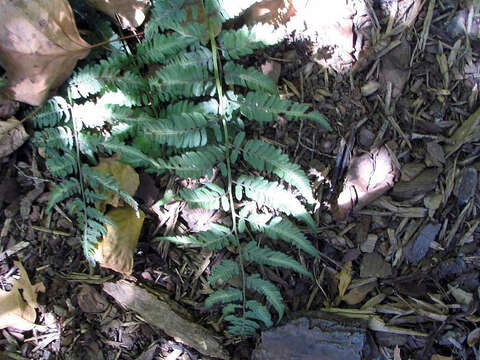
(266, 256)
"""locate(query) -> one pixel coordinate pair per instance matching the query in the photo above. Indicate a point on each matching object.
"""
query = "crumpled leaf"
(39, 47)
(127, 177)
(17, 306)
(129, 13)
(12, 136)
(115, 250)
(368, 177)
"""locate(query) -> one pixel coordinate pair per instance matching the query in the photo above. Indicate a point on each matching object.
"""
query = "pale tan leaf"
(344, 278)
(129, 13)
(12, 136)
(39, 47)
(115, 250)
(16, 310)
(127, 177)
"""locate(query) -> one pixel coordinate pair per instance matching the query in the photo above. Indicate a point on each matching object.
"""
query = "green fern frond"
(263, 156)
(258, 311)
(201, 56)
(261, 107)
(269, 290)
(224, 271)
(165, 14)
(98, 216)
(61, 165)
(106, 182)
(92, 197)
(285, 230)
(52, 113)
(274, 196)
(237, 43)
(241, 326)
(230, 308)
(267, 256)
(63, 191)
(161, 47)
(248, 77)
(182, 130)
(133, 156)
(203, 197)
(175, 82)
(195, 164)
(223, 296)
(58, 138)
(90, 80)
(216, 238)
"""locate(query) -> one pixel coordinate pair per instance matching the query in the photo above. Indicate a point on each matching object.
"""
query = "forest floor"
(398, 80)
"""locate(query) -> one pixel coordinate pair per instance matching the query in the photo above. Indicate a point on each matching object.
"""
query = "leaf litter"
(416, 288)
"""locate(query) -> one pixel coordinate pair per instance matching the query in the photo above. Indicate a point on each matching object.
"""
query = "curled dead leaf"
(368, 177)
(12, 136)
(39, 47)
(115, 250)
(129, 13)
(17, 306)
(127, 177)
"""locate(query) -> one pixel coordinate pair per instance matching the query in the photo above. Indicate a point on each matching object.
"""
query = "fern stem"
(80, 174)
(221, 110)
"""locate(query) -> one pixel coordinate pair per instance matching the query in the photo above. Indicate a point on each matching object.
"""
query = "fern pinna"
(162, 107)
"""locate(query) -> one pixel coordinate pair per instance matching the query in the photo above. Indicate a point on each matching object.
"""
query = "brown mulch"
(409, 83)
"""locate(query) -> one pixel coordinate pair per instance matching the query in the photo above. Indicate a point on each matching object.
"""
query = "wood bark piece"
(418, 247)
(422, 184)
(315, 339)
(159, 314)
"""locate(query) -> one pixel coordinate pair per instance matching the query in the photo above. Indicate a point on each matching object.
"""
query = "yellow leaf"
(116, 249)
(129, 13)
(16, 310)
(344, 278)
(127, 177)
(39, 47)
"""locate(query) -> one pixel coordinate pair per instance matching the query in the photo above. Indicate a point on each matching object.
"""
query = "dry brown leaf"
(12, 136)
(39, 47)
(18, 311)
(127, 177)
(115, 250)
(129, 13)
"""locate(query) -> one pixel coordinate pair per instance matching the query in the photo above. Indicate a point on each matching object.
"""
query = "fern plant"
(163, 108)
